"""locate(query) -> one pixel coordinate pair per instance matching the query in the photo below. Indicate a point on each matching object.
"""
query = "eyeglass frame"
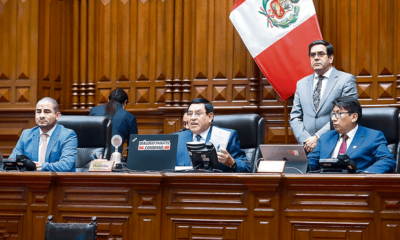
(340, 114)
(196, 114)
(320, 54)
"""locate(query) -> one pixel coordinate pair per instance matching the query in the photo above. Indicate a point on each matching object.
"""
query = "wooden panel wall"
(183, 206)
(165, 53)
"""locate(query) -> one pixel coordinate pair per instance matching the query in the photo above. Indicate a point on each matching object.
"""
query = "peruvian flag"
(277, 34)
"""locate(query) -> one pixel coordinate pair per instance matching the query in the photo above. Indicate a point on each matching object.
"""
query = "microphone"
(183, 129)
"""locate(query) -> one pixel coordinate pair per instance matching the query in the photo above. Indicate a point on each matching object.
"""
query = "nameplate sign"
(101, 166)
(271, 166)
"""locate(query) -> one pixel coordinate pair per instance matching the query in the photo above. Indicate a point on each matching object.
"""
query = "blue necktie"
(198, 137)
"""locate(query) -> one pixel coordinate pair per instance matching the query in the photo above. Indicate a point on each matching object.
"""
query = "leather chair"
(71, 231)
(94, 138)
(386, 120)
(250, 128)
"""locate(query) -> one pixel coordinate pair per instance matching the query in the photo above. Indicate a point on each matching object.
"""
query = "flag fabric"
(277, 34)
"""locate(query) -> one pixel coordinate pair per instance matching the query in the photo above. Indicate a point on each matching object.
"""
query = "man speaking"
(366, 147)
(201, 114)
(50, 146)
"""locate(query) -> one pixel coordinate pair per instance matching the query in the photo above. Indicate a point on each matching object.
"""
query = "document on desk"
(220, 138)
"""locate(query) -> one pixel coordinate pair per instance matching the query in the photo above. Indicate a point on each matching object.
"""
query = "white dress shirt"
(350, 136)
(324, 81)
(203, 136)
(48, 139)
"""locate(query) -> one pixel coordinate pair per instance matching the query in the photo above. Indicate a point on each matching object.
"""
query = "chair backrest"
(387, 121)
(71, 231)
(94, 136)
(250, 128)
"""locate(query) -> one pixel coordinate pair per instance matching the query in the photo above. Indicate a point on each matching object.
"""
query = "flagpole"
(286, 120)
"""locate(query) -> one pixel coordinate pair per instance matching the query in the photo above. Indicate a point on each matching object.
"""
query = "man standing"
(366, 147)
(49, 145)
(201, 114)
(312, 103)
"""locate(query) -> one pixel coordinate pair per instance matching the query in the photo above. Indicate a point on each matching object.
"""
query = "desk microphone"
(183, 129)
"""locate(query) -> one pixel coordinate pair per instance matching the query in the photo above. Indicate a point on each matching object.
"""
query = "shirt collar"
(326, 74)
(49, 132)
(203, 134)
(351, 133)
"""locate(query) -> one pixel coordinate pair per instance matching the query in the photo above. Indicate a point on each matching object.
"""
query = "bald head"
(51, 100)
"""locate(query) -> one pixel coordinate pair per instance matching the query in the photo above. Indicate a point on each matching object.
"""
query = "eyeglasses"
(339, 114)
(196, 114)
(320, 54)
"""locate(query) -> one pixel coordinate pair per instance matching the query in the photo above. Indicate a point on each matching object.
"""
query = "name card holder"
(101, 166)
(271, 166)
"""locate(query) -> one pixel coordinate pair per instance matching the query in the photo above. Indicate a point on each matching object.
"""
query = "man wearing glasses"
(201, 114)
(366, 147)
(312, 103)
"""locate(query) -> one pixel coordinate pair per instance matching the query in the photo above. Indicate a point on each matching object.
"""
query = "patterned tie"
(44, 148)
(317, 92)
(343, 148)
(198, 137)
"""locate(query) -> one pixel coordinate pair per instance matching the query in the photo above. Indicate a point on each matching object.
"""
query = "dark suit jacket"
(183, 159)
(61, 148)
(123, 122)
(368, 149)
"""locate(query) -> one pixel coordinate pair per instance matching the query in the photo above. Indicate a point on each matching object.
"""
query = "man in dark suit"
(51, 146)
(366, 147)
(312, 102)
(201, 114)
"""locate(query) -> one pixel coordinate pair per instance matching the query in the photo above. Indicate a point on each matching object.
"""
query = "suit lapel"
(333, 78)
(53, 140)
(310, 91)
(35, 140)
(332, 143)
(209, 133)
(357, 141)
(189, 137)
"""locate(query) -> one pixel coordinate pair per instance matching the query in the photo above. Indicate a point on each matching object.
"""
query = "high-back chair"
(385, 120)
(94, 138)
(71, 231)
(250, 128)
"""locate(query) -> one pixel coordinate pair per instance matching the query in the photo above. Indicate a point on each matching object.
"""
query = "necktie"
(198, 137)
(343, 147)
(44, 148)
(317, 92)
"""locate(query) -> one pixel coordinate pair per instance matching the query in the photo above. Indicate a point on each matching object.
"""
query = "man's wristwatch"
(234, 166)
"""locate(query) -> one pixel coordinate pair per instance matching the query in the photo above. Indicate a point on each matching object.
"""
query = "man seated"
(185, 122)
(50, 146)
(201, 114)
(366, 147)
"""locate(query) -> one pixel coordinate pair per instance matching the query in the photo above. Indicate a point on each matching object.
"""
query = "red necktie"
(343, 148)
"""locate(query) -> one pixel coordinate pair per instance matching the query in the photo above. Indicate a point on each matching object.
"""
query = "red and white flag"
(277, 34)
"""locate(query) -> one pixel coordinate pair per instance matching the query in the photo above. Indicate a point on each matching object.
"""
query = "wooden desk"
(203, 206)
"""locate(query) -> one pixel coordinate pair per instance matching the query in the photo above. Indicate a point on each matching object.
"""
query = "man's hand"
(225, 158)
(38, 166)
(310, 143)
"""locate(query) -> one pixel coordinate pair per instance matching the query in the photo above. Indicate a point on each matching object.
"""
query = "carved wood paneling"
(203, 206)
(18, 53)
(11, 127)
(165, 53)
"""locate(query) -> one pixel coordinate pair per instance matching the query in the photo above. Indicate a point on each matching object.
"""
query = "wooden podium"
(203, 206)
